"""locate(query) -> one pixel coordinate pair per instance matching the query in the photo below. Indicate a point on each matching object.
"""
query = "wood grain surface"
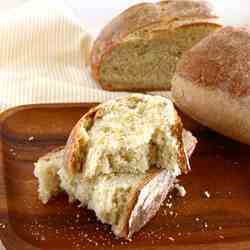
(219, 166)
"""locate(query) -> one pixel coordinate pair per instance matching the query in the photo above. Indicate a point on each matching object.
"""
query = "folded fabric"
(44, 53)
(43, 57)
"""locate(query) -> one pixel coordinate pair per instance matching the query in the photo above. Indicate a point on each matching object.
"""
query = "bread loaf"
(138, 50)
(124, 181)
(212, 82)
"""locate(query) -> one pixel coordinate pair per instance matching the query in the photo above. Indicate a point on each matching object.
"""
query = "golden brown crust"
(220, 61)
(141, 16)
(71, 162)
(183, 22)
(183, 159)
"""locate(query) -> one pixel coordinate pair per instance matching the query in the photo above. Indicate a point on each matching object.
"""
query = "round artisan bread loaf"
(138, 50)
(212, 82)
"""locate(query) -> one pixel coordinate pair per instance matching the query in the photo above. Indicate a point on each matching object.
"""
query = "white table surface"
(96, 13)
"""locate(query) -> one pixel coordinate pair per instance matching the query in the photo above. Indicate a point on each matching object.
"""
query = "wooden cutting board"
(219, 166)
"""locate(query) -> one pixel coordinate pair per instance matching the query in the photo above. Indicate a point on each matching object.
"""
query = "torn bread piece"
(127, 135)
(46, 170)
(123, 195)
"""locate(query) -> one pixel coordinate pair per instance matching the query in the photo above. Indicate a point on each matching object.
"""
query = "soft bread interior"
(133, 134)
(46, 170)
(110, 199)
(148, 60)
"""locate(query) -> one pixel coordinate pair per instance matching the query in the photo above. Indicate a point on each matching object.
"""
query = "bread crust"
(139, 213)
(220, 61)
(72, 146)
(212, 82)
(214, 108)
(143, 16)
(183, 160)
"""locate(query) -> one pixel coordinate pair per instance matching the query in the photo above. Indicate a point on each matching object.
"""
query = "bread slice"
(127, 135)
(138, 50)
(212, 83)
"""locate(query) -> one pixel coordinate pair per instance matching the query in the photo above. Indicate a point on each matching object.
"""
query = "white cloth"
(43, 55)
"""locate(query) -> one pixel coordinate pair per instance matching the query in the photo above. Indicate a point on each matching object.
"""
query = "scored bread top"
(221, 60)
(141, 16)
(127, 135)
(147, 199)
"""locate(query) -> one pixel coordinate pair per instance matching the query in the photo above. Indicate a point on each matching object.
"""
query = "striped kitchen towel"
(44, 55)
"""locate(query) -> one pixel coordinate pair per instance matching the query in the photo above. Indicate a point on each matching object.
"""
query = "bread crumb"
(205, 225)
(169, 205)
(220, 227)
(171, 239)
(12, 151)
(197, 219)
(221, 237)
(206, 194)
(31, 138)
(181, 190)
(236, 164)
(171, 213)
(43, 238)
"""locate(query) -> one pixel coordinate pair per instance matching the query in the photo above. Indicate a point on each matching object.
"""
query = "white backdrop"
(96, 13)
